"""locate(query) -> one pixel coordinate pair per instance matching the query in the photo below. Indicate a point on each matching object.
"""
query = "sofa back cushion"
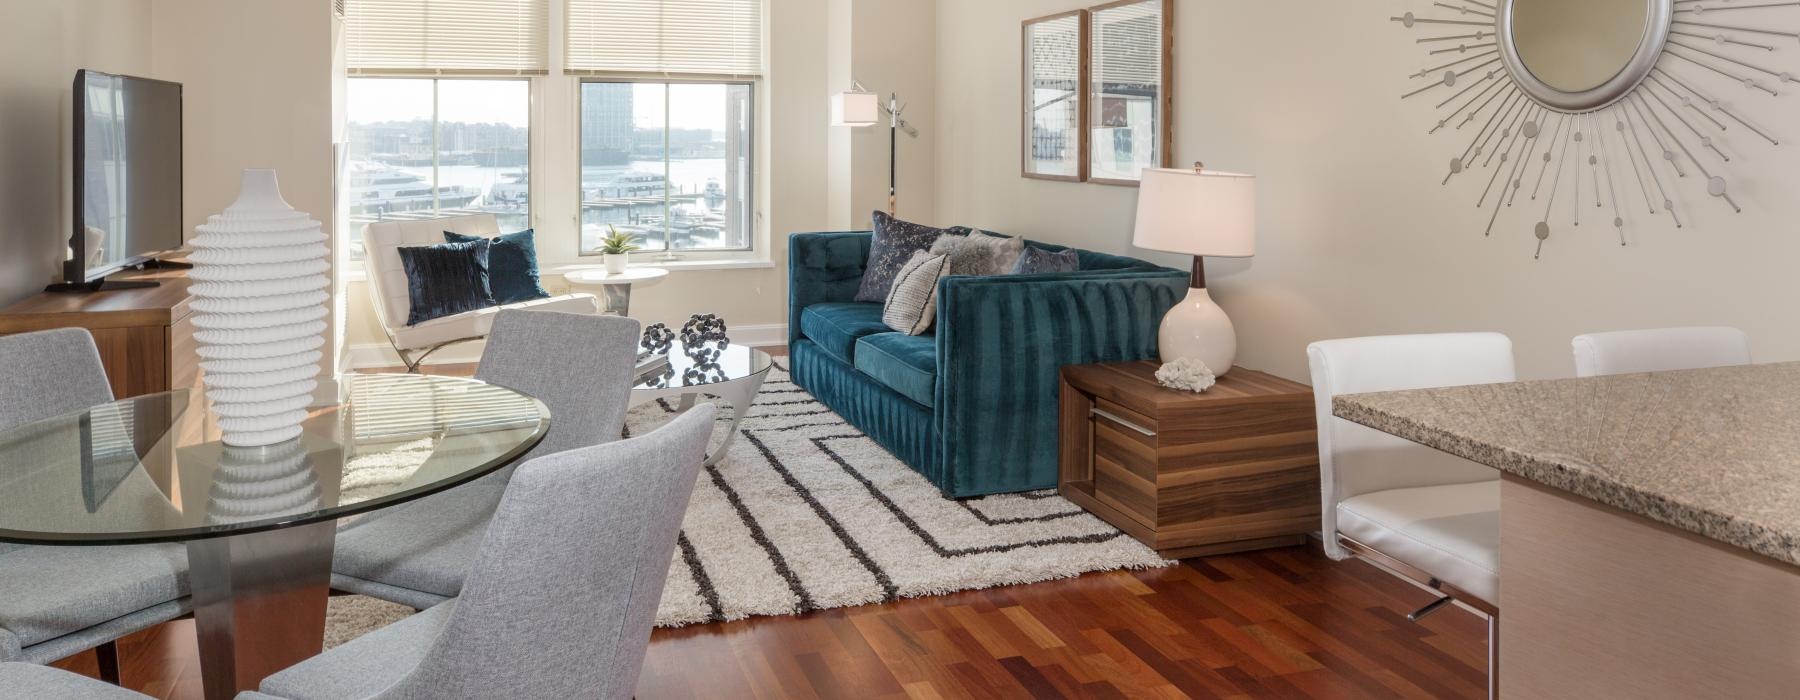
(446, 279)
(387, 277)
(894, 243)
(512, 265)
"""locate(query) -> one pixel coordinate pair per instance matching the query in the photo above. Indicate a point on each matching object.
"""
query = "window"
(426, 147)
(668, 161)
(447, 37)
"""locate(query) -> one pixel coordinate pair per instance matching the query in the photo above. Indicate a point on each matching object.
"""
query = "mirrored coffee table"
(259, 523)
(731, 372)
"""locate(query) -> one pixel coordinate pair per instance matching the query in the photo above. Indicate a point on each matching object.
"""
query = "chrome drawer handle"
(1121, 421)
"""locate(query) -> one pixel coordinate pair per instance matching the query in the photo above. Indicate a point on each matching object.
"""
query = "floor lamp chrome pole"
(858, 108)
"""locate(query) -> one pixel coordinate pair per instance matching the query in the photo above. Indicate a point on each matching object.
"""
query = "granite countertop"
(1715, 452)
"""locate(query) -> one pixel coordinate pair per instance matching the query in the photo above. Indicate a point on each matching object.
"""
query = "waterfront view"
(679, 183)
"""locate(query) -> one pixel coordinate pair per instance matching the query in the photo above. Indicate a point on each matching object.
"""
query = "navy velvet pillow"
(1037, 260)
(446, 279)
(894, 243)
(512, 265)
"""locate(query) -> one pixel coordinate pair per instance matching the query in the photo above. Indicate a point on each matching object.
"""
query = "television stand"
(109, 284)
(99, 285)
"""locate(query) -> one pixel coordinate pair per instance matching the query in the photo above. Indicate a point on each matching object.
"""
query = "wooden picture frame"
(1122, 92)
(1053, 52)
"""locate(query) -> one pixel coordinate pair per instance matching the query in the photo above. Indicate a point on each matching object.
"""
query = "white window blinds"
(720, 38)
(447, 37)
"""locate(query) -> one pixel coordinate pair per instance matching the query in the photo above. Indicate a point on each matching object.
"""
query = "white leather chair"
(388, 288)
(1659, 350)
(1422, 514)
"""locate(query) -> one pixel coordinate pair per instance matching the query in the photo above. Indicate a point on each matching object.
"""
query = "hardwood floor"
(1282, 623)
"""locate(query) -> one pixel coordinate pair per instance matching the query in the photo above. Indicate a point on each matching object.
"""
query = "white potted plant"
(615, 250)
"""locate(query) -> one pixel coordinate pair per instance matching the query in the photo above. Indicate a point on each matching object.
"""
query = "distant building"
(606, 128)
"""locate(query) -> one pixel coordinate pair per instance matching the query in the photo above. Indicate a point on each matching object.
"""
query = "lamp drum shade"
(1197, 213)
(855, 109)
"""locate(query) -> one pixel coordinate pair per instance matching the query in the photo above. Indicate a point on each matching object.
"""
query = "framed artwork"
(1128, 90)
(1054, 97)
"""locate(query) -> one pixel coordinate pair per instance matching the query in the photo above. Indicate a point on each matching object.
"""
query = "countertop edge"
(1720, 527)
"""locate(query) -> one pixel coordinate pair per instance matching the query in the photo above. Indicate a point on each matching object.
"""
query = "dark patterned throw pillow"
(1037, 261)
(895, 242)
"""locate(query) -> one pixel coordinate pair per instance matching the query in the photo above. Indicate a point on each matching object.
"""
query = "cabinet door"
(136, 359)
(184, 355)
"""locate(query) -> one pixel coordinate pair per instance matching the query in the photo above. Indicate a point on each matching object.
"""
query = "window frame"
(531, 143)
(754, 210)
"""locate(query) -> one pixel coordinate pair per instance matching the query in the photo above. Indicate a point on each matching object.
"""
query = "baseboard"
(380, 355)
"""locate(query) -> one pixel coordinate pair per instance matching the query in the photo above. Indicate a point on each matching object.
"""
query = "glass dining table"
(258, 523)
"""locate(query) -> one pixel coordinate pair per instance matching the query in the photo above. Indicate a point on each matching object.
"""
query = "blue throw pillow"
(446, 279)
(893, 244)
(1037, 260)
(512, 266)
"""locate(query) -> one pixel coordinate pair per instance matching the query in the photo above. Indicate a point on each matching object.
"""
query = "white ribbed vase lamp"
(1200, 213)
(259, 307)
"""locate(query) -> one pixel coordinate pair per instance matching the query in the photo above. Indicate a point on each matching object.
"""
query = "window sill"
(353, 271)
(675, 266)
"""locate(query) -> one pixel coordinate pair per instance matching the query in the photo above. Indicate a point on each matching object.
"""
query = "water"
(685, 176)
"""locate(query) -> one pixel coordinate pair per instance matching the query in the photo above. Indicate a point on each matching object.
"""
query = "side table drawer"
(1191, 474)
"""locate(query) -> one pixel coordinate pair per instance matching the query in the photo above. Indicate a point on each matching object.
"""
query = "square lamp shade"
(855, 109)
(1197, 212)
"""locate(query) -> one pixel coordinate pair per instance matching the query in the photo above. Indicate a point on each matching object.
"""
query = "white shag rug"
(807, 513)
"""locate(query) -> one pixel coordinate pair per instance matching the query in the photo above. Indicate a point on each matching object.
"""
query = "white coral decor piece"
(1186, 374)
(259, 307)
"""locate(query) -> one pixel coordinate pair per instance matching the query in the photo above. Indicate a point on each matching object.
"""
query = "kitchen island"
(1649, 525)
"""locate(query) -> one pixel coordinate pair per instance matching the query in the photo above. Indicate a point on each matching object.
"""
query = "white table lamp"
(1200, 213)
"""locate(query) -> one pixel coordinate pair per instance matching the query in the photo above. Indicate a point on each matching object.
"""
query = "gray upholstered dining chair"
(580, 366)
(560, 600)
(58, 601)
(561, 594)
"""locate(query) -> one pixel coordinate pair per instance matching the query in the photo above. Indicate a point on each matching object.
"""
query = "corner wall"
(1356, 236)
(45, 43)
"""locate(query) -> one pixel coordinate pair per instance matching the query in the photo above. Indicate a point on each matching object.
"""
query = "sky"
(507, 101)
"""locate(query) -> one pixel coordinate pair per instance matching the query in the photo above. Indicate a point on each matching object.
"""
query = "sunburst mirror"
(1618, 102)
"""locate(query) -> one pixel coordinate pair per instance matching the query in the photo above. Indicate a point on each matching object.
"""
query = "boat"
(377, 189)
(629, 185)
(512, 193)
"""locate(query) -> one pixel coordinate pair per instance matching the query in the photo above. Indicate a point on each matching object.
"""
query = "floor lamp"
(858, 108)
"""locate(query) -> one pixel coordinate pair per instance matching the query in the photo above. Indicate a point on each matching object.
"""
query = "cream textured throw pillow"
(912, 302)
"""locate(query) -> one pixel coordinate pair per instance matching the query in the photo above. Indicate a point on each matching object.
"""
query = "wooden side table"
(1232, 469)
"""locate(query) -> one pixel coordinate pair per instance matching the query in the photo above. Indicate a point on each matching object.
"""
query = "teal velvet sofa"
(973, 405)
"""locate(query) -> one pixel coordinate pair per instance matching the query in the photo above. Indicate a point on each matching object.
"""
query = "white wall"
(257, 93)
(1356, 236)
(44, 44)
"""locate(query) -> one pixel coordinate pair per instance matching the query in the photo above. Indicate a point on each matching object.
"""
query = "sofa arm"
(823, 267)
(1001, 344)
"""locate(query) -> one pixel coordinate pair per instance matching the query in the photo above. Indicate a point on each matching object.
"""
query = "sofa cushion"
(836, 326)
(512, 265)
(904, 363)
(892, 244)
(475, 324)
(446, 279)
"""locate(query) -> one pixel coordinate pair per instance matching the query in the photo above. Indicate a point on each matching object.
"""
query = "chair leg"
(1493, 657)
(108, 656)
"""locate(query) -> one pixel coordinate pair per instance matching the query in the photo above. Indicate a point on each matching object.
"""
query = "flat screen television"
(127, 168)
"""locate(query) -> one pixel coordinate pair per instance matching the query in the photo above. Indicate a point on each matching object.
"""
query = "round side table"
(615, 290)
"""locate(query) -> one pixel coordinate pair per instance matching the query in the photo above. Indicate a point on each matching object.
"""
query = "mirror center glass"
(1578, 45)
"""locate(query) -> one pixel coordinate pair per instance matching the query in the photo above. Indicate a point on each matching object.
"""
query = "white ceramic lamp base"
(1199, 329)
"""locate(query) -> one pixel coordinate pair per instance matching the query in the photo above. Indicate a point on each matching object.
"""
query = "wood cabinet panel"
(145, 336)
(1234, 468)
